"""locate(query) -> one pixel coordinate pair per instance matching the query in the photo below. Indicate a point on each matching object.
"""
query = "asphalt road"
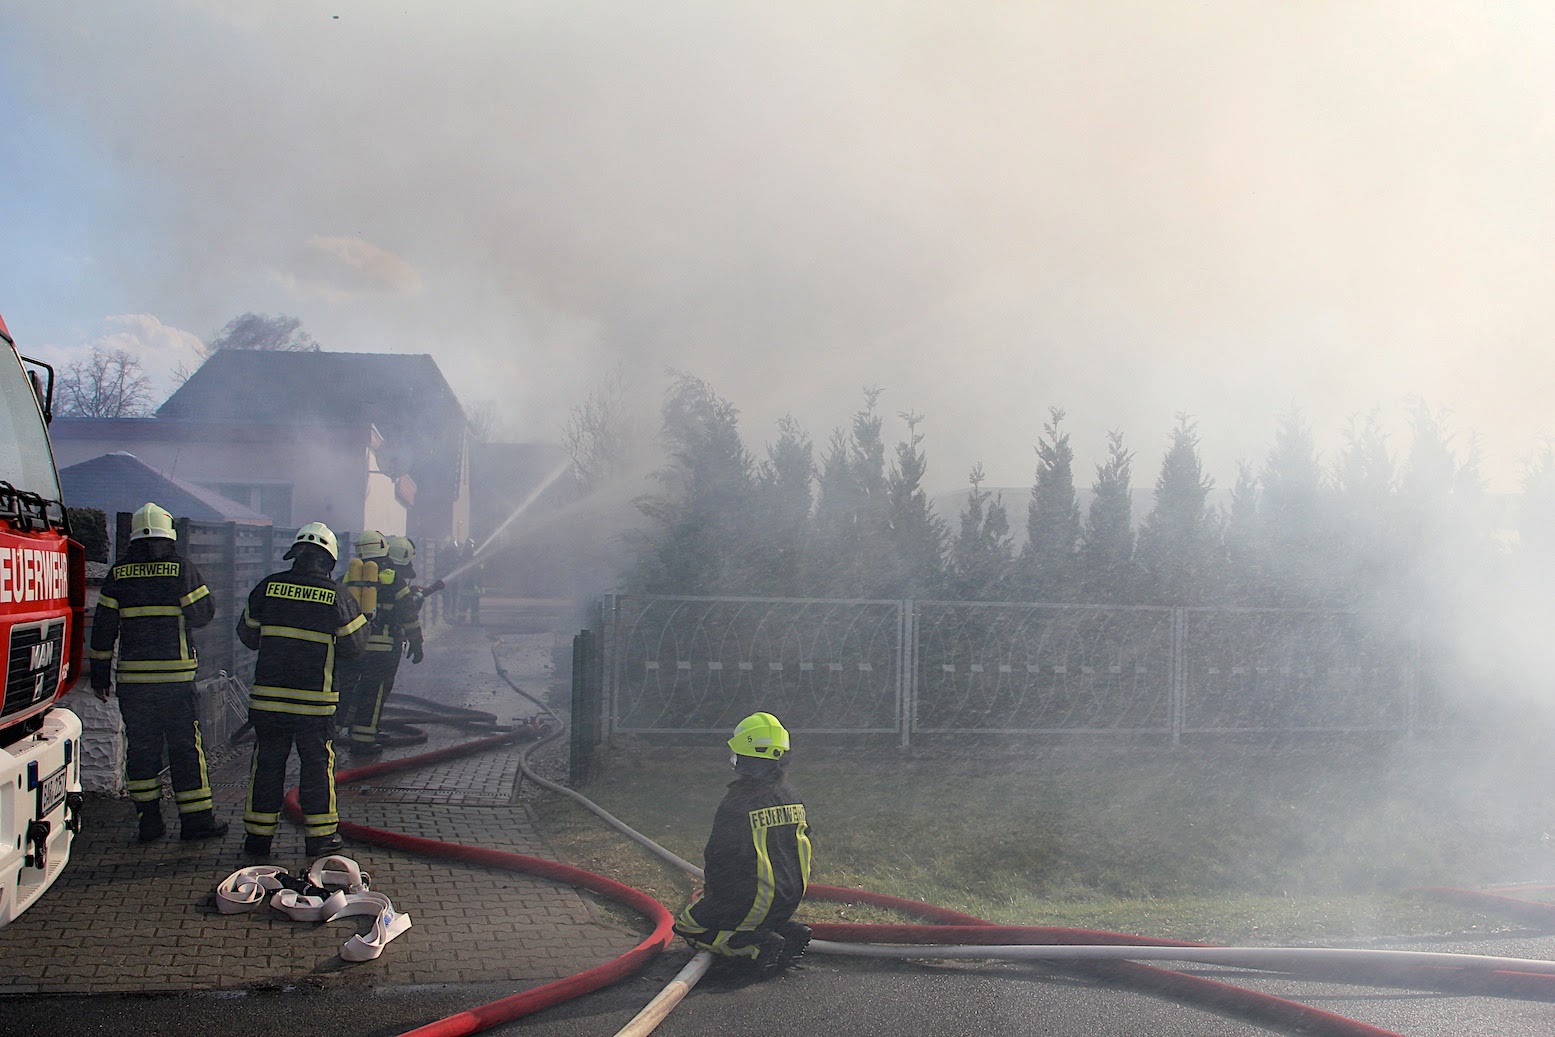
(862, 999)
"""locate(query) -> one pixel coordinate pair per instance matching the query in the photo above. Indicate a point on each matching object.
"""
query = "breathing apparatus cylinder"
(369, 586)
(354, 580)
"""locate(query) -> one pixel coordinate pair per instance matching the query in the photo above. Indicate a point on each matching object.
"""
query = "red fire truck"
(42, 618)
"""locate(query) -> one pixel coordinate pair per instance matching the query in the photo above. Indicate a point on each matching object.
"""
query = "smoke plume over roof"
(1124, 209)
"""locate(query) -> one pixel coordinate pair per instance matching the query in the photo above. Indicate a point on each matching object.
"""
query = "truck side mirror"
(45, 395)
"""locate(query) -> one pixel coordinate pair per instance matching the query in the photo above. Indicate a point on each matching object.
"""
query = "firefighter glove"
(102, 691)
(415, 653)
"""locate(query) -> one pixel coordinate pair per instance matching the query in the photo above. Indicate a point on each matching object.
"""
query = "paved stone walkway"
(127, 916)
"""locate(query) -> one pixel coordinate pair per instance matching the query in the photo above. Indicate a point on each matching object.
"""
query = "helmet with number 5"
(761, 736)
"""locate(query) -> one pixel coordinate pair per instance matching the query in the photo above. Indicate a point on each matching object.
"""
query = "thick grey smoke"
(1125, 209)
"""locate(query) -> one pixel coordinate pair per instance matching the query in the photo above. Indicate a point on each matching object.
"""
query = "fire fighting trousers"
(160, 717)
(274, 736)
(364, 710)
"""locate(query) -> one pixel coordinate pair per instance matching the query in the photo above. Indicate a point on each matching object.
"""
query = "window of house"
(272, 499)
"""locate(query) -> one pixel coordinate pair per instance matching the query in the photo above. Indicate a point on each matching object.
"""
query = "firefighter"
(397, 612)
(452, 559)
(300, 621)
(472, 585)
(757, 861)
(369, 546)
(402, 555)
(149, 604)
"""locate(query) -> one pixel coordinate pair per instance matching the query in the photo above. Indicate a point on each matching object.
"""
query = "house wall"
(437, 517)
(329, 472)
(381, 510)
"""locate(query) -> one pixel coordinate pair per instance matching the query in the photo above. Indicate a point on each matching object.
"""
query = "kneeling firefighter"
(756, 866)
(300, 621)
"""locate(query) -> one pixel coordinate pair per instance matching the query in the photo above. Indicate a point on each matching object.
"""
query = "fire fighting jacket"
(399, 612)
(756, 866)
(300, 621)
(149, 604)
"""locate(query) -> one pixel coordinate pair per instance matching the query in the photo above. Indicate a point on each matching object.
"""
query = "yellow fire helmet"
(760, 735)
(152, 521)
(402, 550)
(371, 544)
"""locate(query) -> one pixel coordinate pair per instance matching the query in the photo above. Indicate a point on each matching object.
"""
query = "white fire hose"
(1264, 958)
(335, 887)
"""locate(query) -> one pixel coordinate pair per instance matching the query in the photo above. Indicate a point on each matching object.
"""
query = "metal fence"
(915, 670)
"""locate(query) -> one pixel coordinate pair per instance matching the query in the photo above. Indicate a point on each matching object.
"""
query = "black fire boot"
(201, 825)
(796, 940)
(323, 845)
(257, 846)
(151, 827)
(770, 956)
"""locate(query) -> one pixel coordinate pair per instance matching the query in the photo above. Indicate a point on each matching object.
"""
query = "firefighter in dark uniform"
(149, 604)
(402, 555)
(300, 621)
(397, 616)
(474, 585)
(757, 860)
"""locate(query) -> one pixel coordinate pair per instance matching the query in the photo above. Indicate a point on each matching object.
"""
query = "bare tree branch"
(108, 384)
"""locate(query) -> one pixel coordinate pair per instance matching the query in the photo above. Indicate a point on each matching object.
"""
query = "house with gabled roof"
(355, 440)
(120, 481)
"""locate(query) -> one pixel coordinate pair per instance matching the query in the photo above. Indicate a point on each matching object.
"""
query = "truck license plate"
(51, 793)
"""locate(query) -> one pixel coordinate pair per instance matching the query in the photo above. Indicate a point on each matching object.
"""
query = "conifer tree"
(1177, 546)
(981, 554)
(853, 511)
(916, 562)
(1364, 480)
(836, 537)
(1441, 496)
(1107, 552)
(697, 538)
(1246, 580)
(1047, 562)
(1295, 562)
(784, 496)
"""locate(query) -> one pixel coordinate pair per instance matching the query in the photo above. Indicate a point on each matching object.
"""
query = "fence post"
(907, 676)
(576, 767)
(610, 631)
(229, 558)
(1179, 679)
(585, 711)
(121, 535)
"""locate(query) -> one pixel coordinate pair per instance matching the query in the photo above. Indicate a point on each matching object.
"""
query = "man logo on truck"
(42, 656)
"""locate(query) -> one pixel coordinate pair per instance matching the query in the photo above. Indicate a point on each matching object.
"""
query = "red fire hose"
(550, 994)
(948, 928)
(955, 927)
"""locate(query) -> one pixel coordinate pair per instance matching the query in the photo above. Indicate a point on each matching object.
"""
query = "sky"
(1230, 209)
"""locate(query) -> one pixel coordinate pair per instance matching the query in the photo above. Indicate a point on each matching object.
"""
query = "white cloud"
(161, 349)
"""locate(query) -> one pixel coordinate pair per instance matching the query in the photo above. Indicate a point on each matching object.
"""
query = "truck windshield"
(25, 459)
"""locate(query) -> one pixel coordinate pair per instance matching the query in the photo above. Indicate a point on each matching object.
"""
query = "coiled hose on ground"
(1107, 956)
